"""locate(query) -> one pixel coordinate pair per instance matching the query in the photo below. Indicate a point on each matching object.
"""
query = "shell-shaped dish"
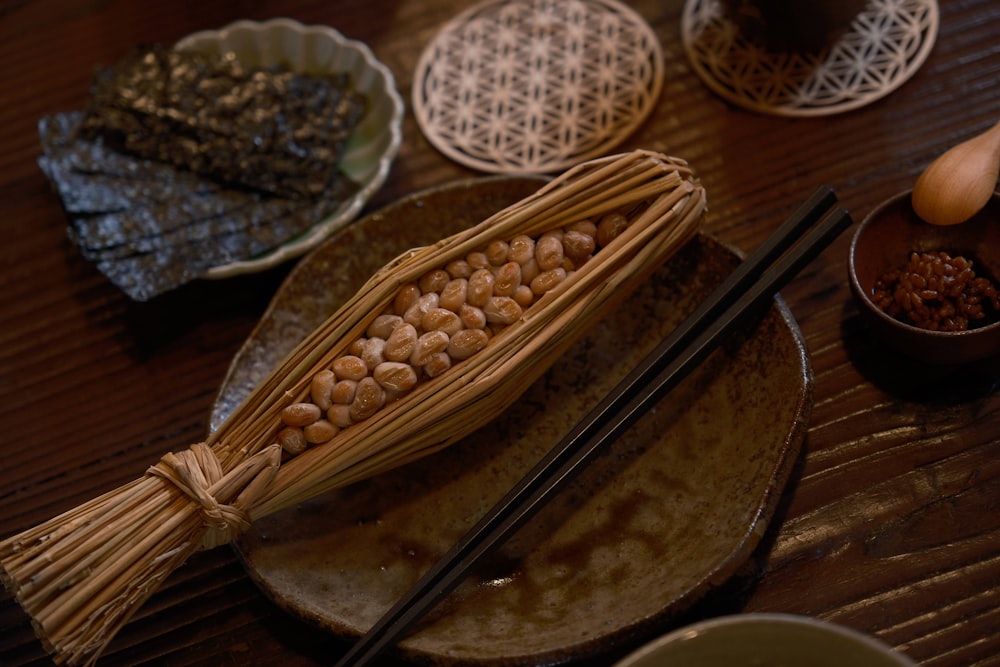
(317, 49)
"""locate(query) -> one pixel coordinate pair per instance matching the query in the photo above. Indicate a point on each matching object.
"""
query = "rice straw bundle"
(84, 573)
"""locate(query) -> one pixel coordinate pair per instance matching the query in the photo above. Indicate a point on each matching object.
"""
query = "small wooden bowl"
(884, 241)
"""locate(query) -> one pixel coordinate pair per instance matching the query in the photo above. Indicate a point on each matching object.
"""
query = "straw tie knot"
(225, 498)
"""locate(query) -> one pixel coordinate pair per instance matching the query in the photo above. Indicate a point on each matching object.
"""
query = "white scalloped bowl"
(372, 147)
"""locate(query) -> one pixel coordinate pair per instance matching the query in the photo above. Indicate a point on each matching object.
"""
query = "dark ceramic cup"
(793, 25)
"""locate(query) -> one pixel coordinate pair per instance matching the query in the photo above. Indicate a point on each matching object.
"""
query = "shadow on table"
(904, 377)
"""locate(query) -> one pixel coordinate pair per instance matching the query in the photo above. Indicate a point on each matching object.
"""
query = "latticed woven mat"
(534, 86)
(885, 45)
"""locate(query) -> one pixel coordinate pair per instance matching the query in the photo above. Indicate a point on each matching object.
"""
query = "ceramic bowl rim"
(783, 619)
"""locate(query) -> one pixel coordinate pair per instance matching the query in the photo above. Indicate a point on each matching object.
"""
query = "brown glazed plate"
(665, 514)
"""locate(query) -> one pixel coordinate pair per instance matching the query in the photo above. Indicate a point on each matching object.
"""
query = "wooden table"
(891, 524)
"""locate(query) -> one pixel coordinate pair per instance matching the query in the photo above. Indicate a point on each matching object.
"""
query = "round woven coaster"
(885, 45)
(534, 86)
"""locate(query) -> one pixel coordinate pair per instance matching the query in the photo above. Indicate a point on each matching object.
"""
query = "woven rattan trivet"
(885, 45)
(535, 86)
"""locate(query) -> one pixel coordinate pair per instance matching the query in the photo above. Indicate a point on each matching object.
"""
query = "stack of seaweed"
(185, 161)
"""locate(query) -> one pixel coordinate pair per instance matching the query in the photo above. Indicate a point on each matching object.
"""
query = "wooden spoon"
(958, 184)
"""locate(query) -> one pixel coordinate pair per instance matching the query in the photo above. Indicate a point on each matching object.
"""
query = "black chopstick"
(745, 291)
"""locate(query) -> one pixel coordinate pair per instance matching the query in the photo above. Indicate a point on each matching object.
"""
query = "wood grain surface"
(891, 524)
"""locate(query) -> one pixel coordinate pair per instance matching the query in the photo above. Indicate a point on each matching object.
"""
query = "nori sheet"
(150, 227)
(185, 161)
(267, 129)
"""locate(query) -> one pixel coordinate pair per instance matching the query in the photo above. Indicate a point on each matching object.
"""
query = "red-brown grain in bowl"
(885, 241)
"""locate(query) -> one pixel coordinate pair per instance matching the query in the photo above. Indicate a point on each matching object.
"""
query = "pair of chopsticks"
(745, 292)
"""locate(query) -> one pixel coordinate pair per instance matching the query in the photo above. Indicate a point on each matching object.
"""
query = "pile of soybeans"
(446, 316)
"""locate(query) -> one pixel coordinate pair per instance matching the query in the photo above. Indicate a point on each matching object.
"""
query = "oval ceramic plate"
(372, 146)
(671, 510)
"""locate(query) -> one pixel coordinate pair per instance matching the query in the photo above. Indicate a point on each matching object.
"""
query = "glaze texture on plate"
(668, 512)
(373, 145)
